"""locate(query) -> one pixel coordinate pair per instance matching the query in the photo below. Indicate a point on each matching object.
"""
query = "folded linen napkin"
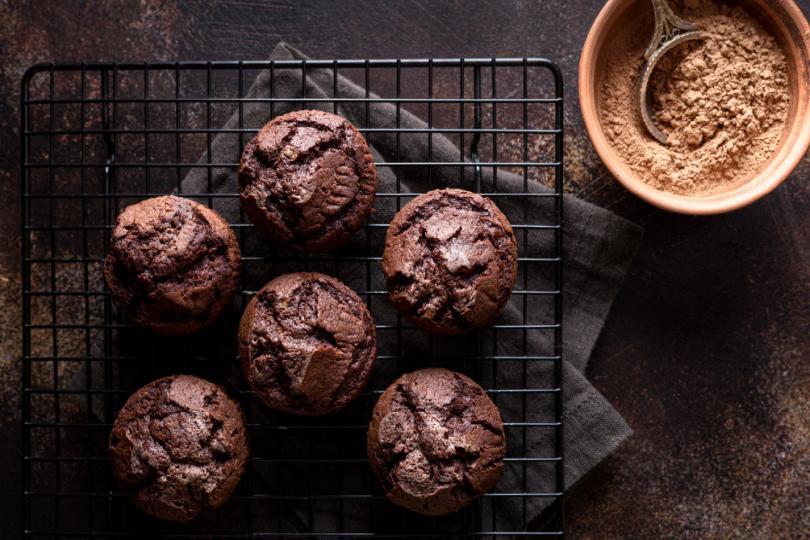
(598, 249)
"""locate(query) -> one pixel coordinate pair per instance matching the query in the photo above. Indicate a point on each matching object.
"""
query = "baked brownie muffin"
(308, 180)
(179, 446)
(450, 261)
(436, 441)
(307, 344)
(173, 265)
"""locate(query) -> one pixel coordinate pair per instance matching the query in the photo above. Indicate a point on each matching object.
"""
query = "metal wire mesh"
(97, 137)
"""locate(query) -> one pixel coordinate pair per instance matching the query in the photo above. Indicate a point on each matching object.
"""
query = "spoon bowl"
(670, 31)
(644, 95)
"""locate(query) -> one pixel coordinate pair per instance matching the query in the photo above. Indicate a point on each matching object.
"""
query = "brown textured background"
(706, 350)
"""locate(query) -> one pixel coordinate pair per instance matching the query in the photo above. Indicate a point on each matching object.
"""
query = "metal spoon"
(670, 31)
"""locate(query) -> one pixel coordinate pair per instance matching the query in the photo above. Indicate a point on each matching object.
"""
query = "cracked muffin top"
(450, 261)
(307, 343)
(308, 180)
(173, 265)
(179, 446)
(436, 441)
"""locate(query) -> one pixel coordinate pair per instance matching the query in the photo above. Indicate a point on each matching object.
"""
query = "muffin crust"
(173, 265)
(450, 261)
(436, 441)
(308, 180)
(307, 344)
(179, 446)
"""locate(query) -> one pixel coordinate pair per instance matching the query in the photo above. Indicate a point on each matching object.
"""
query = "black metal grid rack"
(96, 137)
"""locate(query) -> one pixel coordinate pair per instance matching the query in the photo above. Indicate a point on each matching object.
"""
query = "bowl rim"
(768, 179)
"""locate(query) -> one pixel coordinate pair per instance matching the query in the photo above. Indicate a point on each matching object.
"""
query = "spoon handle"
(667, 26)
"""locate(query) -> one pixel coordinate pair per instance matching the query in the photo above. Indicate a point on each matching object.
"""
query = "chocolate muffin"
(179, 446)
(450, 261)
(173, 265)
(307, 344)
(308, 180)
(436, 441)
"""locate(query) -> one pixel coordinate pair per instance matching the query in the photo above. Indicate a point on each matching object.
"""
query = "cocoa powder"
(723, 101)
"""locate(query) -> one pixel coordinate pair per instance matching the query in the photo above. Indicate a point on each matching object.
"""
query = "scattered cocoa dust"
(723, 102)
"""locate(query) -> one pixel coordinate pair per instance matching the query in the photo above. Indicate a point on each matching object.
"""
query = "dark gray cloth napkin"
(598, 249)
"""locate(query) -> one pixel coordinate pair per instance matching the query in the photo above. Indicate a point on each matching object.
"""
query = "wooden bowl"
(785, 21)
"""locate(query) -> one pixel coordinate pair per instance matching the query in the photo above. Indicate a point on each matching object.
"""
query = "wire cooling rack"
(97, 137)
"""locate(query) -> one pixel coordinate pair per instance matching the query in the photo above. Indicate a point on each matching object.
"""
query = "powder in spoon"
(723, 101)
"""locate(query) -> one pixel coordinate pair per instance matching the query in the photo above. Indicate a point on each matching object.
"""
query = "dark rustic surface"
(705, 350)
